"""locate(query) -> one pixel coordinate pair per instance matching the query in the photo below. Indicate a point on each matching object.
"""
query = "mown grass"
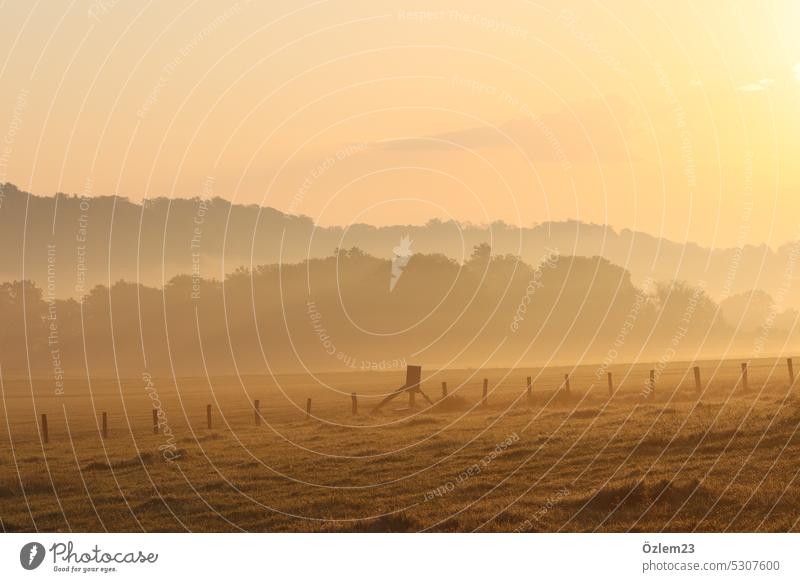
(727, 461)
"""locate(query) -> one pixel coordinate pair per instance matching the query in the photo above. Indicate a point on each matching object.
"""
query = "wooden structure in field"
(412, 387)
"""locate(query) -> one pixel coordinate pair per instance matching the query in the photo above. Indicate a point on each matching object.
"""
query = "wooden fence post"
(354, 403)
(566, 384)
(105, 425)
(257, 412)
(208, 416)
(791, 371)
(485, 400)
(529, 382)
(652, 384)
(745, 386)
(155, 421)
(45, 433)
(610, 384)
(697, 383)
(444, 390)
(308, 408)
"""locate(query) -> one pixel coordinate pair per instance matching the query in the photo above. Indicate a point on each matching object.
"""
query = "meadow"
(725, 459)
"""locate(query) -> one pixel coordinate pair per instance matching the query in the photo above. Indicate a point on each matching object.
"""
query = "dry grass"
(577, 463)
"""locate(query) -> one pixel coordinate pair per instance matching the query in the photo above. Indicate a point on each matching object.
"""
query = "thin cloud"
(581, 133)
(761, 85)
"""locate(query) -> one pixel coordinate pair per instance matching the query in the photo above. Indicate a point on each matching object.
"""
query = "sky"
(679, 119)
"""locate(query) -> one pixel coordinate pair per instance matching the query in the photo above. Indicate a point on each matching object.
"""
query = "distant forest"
(81, 242)
(338, 312)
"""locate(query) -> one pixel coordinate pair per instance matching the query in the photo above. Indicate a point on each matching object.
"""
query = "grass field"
(725, 461)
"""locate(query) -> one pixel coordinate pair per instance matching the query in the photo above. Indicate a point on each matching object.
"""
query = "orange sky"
(679, 119)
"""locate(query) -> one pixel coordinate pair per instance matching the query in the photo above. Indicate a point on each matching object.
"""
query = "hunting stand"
(412, 386)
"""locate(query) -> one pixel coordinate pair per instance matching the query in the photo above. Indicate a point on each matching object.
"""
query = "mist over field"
(348, 309)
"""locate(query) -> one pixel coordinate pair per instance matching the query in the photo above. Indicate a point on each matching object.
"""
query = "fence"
(413, 387)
